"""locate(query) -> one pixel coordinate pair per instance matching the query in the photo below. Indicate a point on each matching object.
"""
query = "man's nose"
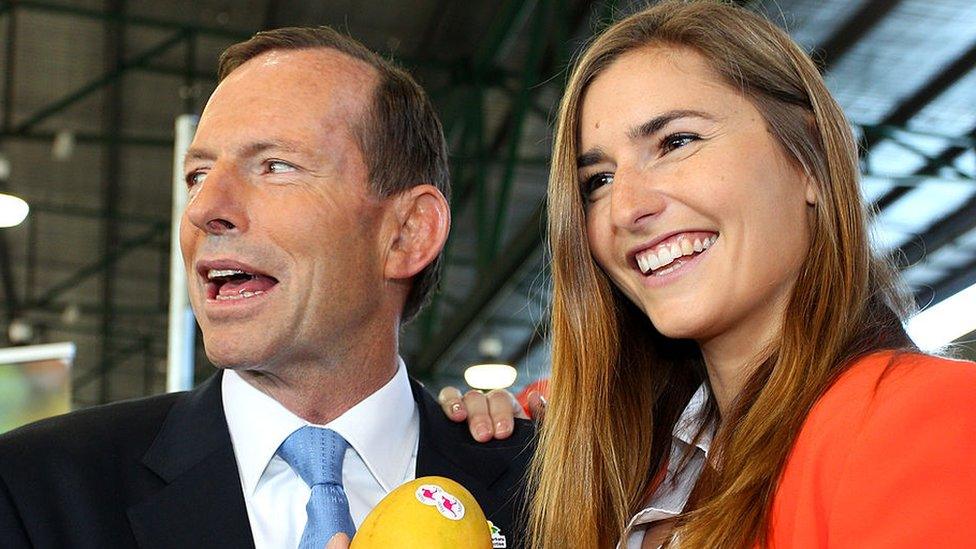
(634, 199)
(218, 205)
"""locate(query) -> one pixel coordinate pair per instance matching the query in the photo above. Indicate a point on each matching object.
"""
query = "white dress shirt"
(671, 496)
(382, 431)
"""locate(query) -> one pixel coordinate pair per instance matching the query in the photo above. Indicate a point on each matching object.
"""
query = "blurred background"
(92, 88)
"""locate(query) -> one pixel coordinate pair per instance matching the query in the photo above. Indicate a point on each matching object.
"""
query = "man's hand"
(489, 415)
(338, 541)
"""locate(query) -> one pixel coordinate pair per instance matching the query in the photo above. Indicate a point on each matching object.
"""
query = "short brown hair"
(400, 136)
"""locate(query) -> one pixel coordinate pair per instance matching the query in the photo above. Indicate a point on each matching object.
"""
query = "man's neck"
(319, 391)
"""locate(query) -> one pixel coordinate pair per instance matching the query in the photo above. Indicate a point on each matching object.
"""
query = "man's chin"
(233, 356)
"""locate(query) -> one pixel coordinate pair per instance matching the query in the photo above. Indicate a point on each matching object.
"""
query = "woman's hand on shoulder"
(489, 415)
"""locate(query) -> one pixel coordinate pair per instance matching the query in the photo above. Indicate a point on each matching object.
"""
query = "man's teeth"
(221, 273)
(241, 295)
(664, 255)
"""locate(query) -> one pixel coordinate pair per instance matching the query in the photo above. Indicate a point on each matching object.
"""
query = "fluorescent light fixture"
(490, 376)
(944, 322)
(13, 210)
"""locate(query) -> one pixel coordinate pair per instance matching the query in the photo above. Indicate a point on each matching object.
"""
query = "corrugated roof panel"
(967, 241)
(887, 237)
(966, 163)
(922, 275)
(874, 187)
(900, 55)
(890, 158)
(952, 112)
(923, 206)
(950, 257)
(809, 22)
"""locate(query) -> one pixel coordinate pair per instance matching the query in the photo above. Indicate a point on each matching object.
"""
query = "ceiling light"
(944, 322)
(63, 146)
(13, 210)
(490, 376)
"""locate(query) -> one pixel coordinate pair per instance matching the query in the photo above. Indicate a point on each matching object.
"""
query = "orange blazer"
(886, 459)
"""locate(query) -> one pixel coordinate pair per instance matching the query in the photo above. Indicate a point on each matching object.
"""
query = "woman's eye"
(677, 140)
(596, 181)
(277, 166)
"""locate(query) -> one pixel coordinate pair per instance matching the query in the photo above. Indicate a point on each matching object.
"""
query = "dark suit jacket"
(160, 472)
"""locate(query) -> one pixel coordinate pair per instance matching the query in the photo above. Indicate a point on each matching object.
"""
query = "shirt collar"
(671, 495)
(690, 422)
(382, 428)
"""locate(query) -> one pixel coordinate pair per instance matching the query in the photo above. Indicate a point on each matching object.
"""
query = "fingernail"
(482, 431)
(455, 408)
(503, 427)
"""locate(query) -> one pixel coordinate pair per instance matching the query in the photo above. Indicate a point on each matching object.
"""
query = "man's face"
(281, 236)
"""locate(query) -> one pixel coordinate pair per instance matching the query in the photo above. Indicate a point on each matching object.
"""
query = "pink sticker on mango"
(450, 506)
(435, 496)
(427, 494)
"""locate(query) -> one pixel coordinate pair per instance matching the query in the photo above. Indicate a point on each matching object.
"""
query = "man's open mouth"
(234, 284)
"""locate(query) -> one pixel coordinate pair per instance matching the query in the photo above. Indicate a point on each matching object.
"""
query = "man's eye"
(195, 178)
(677, 140)
(596, 181)
(277, 166)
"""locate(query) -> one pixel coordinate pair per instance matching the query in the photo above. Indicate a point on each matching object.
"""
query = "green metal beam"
(467, 82)
(530, 78)
(113, 361)
(94, 213)
(196, 74)
(97, 309)
(6, 266)
(896, 131)
(93, 138)
(500, 29)
(519, 250)
(76, 11)
(114, 51)
(100, 265)
(111, 76)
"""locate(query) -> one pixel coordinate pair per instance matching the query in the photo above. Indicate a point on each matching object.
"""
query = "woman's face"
(693, 209)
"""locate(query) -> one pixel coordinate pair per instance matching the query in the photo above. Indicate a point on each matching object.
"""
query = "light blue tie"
(316, 455)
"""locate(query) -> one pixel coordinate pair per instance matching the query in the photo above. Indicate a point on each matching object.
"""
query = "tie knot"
(315, 454)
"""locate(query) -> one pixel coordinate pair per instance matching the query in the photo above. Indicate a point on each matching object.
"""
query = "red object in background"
(540, 386)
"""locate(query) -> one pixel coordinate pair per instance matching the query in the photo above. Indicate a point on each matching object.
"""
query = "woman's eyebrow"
(655, 124)
(648, 128)
(590, 157)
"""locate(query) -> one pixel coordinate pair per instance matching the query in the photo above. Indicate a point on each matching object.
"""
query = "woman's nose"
(634, 199)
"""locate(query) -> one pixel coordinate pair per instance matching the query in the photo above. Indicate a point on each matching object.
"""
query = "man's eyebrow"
(195, 153)
(655, 124)
(258, 147)
(247, 150)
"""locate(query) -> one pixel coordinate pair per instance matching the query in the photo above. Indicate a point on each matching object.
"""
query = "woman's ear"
(423, 220)
(812, 193)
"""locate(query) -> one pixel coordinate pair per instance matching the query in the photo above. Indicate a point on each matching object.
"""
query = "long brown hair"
(618, 386)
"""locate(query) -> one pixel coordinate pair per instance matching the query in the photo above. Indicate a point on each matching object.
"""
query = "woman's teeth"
(665, 254)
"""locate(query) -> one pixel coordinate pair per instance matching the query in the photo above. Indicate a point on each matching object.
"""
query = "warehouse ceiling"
(92, 88)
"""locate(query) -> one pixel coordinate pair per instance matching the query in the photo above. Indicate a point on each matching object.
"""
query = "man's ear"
(423, 220)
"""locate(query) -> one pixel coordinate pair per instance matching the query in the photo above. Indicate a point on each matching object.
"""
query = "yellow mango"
(428, 513)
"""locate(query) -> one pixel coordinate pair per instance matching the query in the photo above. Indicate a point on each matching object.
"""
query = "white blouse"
(671, 496)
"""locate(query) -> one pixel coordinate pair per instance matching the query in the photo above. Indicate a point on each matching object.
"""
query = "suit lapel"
(202, 504)
(447, 449)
